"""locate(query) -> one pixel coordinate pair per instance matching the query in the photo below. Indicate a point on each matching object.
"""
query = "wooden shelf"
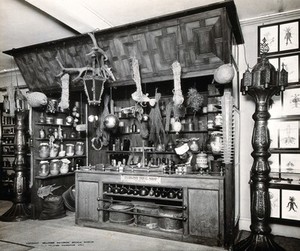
(141, 197)
(136, 152)
(64, 157)
(8, 125)
(45, 124)
(54, 176)
(64, 139)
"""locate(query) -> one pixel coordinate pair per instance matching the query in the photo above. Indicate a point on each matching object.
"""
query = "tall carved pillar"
(261, 84)
(19, 210)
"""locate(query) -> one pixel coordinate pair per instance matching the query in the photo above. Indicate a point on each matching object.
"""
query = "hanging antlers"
(99, 67)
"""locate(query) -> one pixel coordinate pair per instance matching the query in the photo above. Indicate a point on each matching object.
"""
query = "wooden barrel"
(143, 220)
(121, 217)
(167, 224)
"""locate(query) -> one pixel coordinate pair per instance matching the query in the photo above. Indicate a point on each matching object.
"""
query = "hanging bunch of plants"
(194, 100)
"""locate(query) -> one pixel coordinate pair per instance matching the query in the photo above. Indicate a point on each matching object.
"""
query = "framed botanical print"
(270, 34)
(275, 202)
(280, 37)
(290, 163)
(291, 65)
(290, 204)
(289, 36)
(289, 134)
(291, 102)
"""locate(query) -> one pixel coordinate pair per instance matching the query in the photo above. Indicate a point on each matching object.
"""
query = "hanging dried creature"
(64, 102)
(138, 95)
(178, 97)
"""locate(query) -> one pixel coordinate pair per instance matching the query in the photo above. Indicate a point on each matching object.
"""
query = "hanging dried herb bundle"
(157, 132)
(194, 99)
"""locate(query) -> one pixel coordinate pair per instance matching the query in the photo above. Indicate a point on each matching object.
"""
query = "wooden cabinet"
(7, 155)
(201, 205)
(54, 140)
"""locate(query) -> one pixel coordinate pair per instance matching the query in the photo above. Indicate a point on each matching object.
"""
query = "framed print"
(289, 36)
(274, 62)
(273, 130)
(291, 65)
(290, 204)
(275, 202)
(290, 163)
(270, 34)
(275, 107)
(274, 162)
(289, 134)
(291, 102)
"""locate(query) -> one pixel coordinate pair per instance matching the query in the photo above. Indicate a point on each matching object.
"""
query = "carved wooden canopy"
(200, 39)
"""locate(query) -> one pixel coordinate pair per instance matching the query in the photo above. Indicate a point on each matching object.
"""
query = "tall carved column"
(19, 210)
(261, 84)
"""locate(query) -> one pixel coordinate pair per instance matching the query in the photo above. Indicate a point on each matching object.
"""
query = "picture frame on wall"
(290, 163)
(281, 37)
(275, 202)
(270, 34)
(290, 204)
(289, 134)
(291, 102)
(291, 65)
(289, 36)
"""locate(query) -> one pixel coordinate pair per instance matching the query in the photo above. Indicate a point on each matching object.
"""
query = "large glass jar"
(79, 148)
(44, 168)
(55, 165)
(44, 150)
(70, 149)
(216, 143)
(54, 150)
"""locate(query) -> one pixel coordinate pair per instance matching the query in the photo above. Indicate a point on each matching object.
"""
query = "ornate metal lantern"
(95, 77)
(261, 84)
(93, 87)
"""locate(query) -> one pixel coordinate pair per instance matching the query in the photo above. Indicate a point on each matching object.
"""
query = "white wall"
(247, 107)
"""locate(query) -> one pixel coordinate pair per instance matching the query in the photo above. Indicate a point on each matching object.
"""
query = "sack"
(53, 208)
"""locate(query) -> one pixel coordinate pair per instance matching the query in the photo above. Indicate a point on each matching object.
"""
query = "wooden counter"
(202, 203)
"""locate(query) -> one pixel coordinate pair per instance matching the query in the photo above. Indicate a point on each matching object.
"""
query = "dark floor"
(289, 244)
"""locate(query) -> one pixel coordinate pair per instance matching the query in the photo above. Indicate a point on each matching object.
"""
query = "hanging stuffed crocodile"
(138, 95)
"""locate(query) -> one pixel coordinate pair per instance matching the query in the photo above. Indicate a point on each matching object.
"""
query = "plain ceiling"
(27, 22)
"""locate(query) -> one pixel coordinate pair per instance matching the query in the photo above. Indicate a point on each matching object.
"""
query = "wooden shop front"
(198, 203)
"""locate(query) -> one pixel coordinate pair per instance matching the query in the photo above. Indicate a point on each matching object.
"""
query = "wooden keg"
(121, 217)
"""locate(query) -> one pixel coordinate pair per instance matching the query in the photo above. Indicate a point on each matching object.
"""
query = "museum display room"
(182, 126)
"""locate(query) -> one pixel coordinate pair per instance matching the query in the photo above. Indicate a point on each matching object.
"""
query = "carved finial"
(264, 47)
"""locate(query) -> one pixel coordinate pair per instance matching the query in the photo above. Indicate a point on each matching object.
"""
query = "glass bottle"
(6, 104)
(133, 126)
(42, 133)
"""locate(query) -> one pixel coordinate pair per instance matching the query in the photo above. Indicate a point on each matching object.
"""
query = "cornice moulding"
(293, 14)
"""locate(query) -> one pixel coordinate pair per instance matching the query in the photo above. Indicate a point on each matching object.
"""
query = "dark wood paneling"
(198, 40)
